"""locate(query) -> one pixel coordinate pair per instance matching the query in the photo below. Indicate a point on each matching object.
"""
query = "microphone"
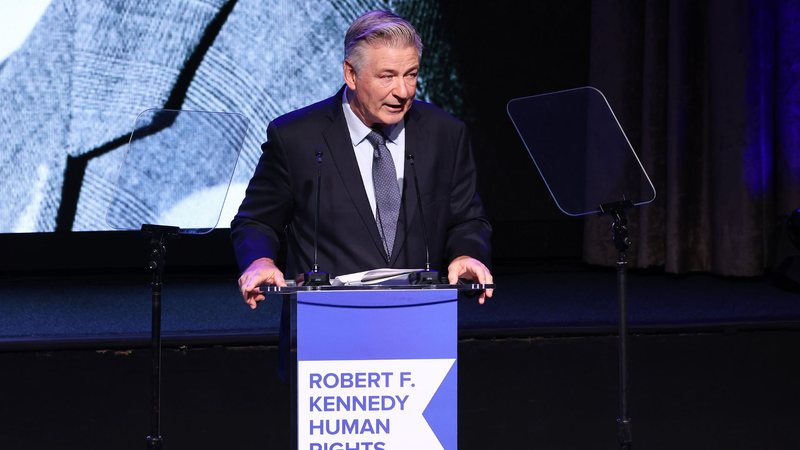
(426, 276)
(315, 277)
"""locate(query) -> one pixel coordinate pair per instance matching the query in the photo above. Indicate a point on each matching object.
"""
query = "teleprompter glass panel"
(580, 150)
(177, 170)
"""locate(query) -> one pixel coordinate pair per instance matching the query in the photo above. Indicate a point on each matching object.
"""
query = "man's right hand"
(260, 271)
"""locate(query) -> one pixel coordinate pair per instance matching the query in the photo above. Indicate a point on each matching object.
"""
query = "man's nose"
(401, 89)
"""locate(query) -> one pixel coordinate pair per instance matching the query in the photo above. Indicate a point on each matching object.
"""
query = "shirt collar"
(359, 131)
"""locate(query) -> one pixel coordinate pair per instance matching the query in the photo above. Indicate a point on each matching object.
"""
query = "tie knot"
(376, 138)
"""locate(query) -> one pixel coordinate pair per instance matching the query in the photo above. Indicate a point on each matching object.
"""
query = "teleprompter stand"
(589, 167)
(619, 232)
(158, 234)
(174, 180)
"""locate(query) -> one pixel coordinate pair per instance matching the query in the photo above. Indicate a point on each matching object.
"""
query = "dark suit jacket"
(280, 200)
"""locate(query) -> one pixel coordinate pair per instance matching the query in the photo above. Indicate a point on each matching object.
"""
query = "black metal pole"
(623, 422)
(158, 258)
(156, 265)
(622, 242)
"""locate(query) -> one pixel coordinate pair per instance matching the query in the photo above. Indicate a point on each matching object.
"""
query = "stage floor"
(90, 311)
(713, 363)
(693, 391)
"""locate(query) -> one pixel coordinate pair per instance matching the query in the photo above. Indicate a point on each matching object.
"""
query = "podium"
(375, 367)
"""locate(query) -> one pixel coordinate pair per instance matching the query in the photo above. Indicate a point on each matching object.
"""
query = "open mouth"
(395, 108)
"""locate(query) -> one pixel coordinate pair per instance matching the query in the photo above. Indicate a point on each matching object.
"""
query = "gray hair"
(378, 27)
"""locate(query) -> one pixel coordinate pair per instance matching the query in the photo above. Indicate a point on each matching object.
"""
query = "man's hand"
(260, 271)
(471, 269)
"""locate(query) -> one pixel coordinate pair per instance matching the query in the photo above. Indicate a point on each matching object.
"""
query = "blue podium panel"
(376, 370)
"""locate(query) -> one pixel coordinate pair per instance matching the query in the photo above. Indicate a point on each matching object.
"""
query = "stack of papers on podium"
(375, 276)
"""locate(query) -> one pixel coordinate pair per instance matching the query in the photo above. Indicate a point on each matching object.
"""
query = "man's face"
(383, 87)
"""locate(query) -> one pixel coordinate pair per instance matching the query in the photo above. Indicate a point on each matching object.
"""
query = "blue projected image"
(17, 20)
(75, 78)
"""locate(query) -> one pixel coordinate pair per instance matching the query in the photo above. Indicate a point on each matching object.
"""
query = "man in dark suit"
(368, 140)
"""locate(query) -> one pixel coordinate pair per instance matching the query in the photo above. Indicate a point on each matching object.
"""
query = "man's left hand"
(470, 269)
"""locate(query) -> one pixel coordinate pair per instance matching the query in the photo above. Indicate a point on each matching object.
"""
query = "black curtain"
(708, 93)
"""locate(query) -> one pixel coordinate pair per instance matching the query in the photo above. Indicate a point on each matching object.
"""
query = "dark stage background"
(476, 60)
(706, 92)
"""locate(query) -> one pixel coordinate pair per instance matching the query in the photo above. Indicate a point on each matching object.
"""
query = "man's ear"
(349, 75)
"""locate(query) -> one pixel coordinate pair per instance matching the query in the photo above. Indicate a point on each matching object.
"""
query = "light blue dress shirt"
(395, 142)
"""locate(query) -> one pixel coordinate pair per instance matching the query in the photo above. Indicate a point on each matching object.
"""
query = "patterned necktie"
(387, 191)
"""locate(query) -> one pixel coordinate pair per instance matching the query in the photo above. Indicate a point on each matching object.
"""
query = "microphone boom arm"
(426, 276)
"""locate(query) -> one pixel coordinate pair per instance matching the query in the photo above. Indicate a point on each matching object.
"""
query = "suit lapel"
(340, 149)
